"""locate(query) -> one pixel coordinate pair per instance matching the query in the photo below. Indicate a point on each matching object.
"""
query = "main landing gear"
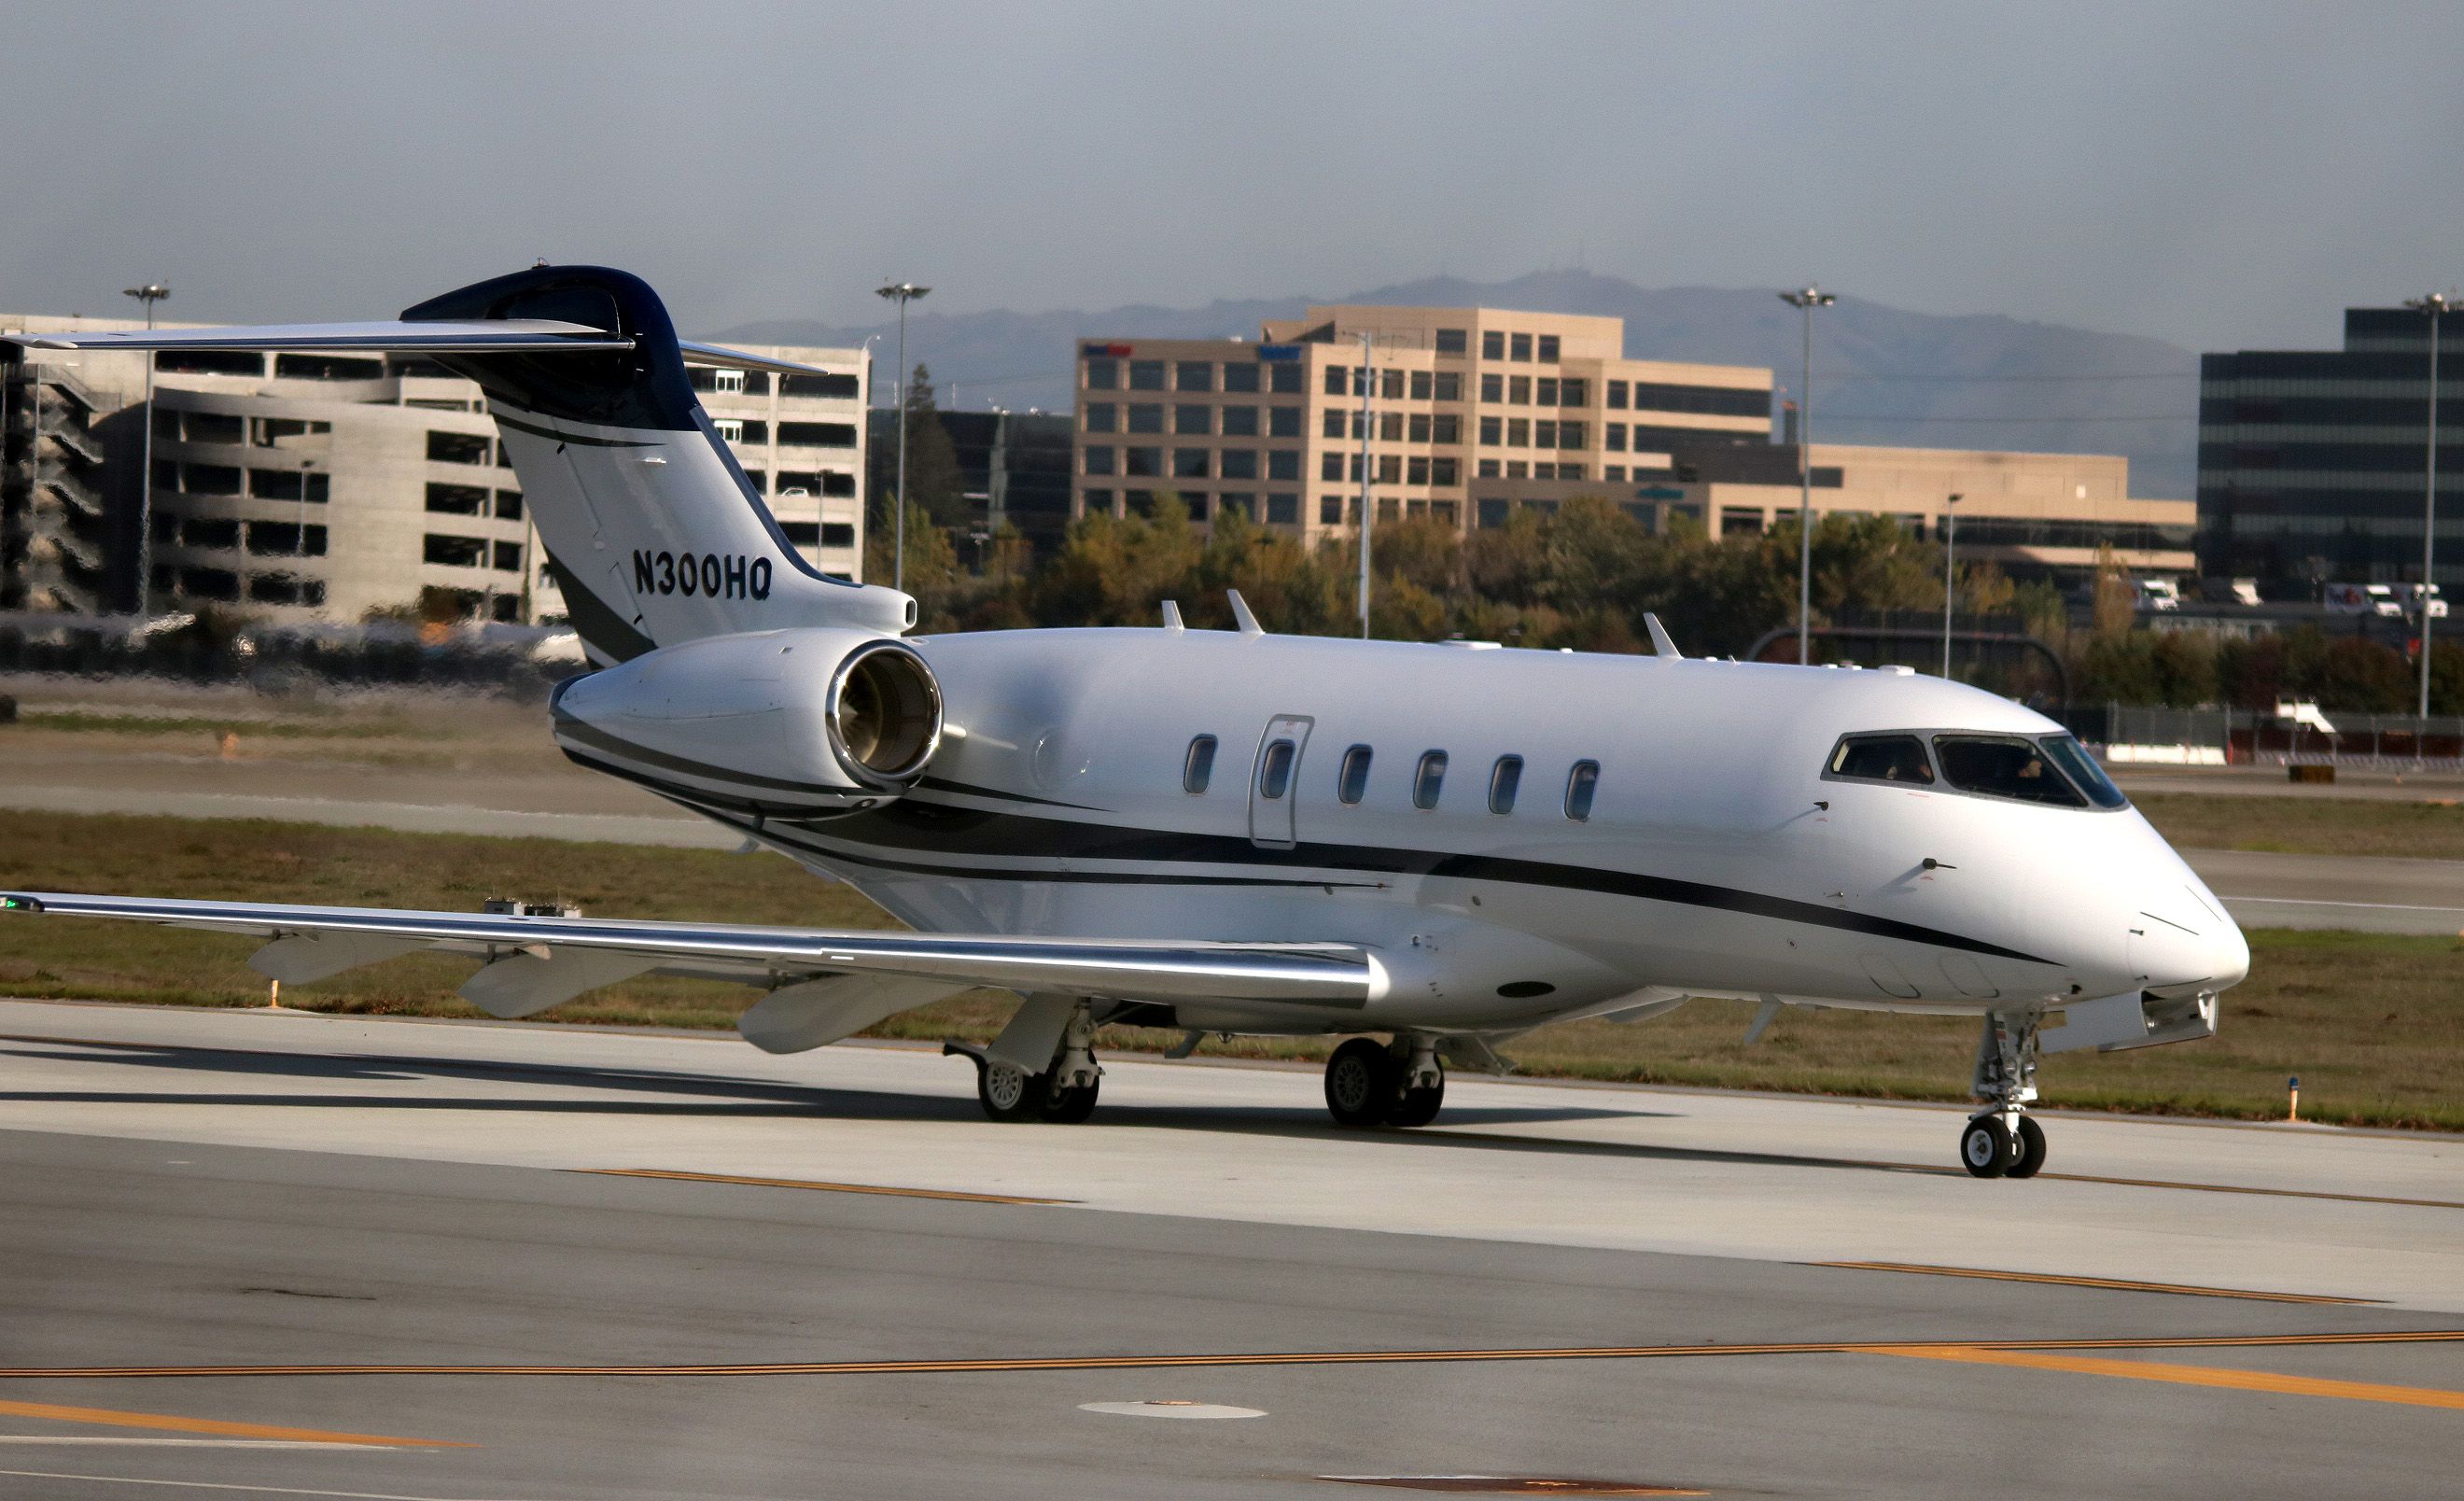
(2003, 1141)
(1369, 1083)
(1064, 1094)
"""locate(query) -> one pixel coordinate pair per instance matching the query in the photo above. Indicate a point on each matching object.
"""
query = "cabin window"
(1275, 770)
(1198, 765)
(1429, 780)
(1580, 784)
(1351, 785)
(2004, 768)
(1881, 758)
(1503, 779)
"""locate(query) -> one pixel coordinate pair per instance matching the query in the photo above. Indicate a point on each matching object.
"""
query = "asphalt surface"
(191, 1192)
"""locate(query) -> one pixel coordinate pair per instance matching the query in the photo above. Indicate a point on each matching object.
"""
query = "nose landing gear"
(2002, 1140)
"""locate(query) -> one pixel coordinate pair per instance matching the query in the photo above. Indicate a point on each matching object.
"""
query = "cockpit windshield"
(2004, 766)
(2066, 752)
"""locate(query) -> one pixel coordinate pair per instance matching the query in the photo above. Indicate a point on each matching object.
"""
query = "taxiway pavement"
(229, 1230)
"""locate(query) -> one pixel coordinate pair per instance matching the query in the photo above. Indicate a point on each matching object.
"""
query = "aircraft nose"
(2231, 955)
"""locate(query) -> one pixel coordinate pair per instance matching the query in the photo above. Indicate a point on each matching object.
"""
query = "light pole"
(149, 294)
(2431, 306)
(1949, 557)
(902, 293)
(1810, 298)
(1365, 508)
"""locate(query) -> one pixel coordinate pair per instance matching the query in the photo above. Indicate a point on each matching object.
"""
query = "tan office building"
(1474, 411)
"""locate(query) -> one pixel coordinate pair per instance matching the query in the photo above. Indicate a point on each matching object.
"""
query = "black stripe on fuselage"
(567, 727)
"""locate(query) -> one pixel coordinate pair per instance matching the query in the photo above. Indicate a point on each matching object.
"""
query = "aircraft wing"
(413, 336)
(536, 963)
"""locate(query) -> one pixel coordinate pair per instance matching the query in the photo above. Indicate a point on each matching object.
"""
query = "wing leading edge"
(537, 962)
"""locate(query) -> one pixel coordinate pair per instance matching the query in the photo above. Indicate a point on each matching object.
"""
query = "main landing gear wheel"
(1419, 1107)
(1985, 1147)
(1068, 1106)
(1360, 1083)
(2030, 1154)
(1009, 1093)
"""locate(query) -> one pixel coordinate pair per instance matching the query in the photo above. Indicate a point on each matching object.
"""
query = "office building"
(1014, 470)
(2312, 462)
(320, 487)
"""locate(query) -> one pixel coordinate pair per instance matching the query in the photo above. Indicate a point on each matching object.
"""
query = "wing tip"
(18, 901)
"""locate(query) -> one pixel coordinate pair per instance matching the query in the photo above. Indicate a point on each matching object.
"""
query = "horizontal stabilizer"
(487, 335)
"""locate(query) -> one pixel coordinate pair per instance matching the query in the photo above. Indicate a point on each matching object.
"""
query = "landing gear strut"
(2002, 1140)
(1369, 1083)
(1063, 1092)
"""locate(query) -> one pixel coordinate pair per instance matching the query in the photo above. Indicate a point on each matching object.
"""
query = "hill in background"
(1882, 374)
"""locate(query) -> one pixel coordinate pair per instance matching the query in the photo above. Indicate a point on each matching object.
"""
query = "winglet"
(1660, 644)
(20, 904)
(1240, 616)
(1172, 616)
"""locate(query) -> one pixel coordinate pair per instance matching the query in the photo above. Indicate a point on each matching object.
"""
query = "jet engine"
(776, 723)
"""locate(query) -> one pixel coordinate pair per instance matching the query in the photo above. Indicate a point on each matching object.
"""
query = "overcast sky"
(2225, 175)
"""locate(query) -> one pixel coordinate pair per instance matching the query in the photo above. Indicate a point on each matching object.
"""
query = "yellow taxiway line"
(110, 1417)
(2195, 1376)
(2114, 1284)
(1136, 1362)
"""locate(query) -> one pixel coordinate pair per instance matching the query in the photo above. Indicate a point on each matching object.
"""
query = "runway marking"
(107, 1417)
(2196, 1375)
(1149, 1362)
(2305, 901)
(2117, 1284)
(83, 1440)
(822, 1187)
(209, 1485)
(2230, 1188)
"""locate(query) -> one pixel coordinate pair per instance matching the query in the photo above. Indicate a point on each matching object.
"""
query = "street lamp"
(1365, 379)
(902, 293)
(1812, 298)
(149, 294)
(1949, 554)
(2433, 306)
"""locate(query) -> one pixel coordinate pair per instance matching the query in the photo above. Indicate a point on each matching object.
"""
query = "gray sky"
(2222, 175)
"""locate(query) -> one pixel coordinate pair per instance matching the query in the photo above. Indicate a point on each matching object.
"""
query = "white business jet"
(1237, 831)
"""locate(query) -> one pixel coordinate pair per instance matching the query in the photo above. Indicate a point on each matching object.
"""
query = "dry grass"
(2367, 1022)
(2432, 830)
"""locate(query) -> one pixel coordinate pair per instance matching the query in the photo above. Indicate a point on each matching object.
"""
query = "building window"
(1284, 464)
(1334, 422)
(1492, 388)
(1581, 783)
(1616, 395)
(1198, 766)
(1282, 421)
(1569, 471)
(1390, 469)
(1284, 510)
(509, 557)
(457, 499)
(1518, 390)
(1492, 345)
(1240, 422)
(1452, 341)
(1544, 434)
(843, 387)
(455, 448)
(1517, 469)
(1240, 378)
(1245, 504)
(1390, 427)
(1330, 466)
(455, 552)
(1103, 416)
(1192, 420)
(838, 534)
(1544, 390)
(1095, 503)
(1443, 471)
(1330, 511)
(1447, 428)
(1518, 434)
(1614, 473)
(1449, 386)
(1286, 379)
(809, 434)
(1103, 375)
(1521, 345)
(1416, 470)
(1488, 470)
(1570, 434)
(1099, 458)
(1143, 463)
(1574, 391)
(1338, 380)
(210, 479)
(210, 583)
(1422, 386)
(1194, 375)
(1544, 471)
(1429, 780)
(1549, 348)
(1739, 518)
(1240, 463)
(1146, 375)
(1390, 385)
(1138, 503)
(285, 540)
(1613, 436)
(201, 531)
(1492, 431)
(1146, 417)
(1419, 427)
(1351, 783)
(732, 428)
(1505, 779)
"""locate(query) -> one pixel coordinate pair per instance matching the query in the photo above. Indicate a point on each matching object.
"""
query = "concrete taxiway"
(303, 1255)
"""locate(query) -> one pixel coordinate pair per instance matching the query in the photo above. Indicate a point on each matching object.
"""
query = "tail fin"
(651, 528)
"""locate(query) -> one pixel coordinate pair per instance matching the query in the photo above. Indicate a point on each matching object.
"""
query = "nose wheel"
(2003, 1141)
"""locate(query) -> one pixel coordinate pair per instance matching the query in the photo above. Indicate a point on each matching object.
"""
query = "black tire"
(1008, 1093)
(2030, 1154)
(1985, 1147)
(1068, 1106)
(1418, 1107)
(1360, 1083)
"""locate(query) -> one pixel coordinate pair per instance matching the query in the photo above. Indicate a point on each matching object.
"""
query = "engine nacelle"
(773, 723)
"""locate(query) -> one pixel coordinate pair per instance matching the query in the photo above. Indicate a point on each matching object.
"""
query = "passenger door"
(1274, 782)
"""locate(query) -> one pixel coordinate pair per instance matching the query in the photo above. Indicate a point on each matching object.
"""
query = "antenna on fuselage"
(1171, 615)
(1660, 644)
(1240, 616)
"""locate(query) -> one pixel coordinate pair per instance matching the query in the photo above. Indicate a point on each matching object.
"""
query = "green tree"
(934, 483)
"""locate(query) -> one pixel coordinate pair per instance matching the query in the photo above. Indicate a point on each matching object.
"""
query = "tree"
(934, 483)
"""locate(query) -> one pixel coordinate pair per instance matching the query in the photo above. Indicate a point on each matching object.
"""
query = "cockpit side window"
(1881, 758)
(2004, 766)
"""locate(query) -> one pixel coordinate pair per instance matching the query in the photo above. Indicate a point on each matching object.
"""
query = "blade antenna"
(1241, 615)
(1660, 644)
